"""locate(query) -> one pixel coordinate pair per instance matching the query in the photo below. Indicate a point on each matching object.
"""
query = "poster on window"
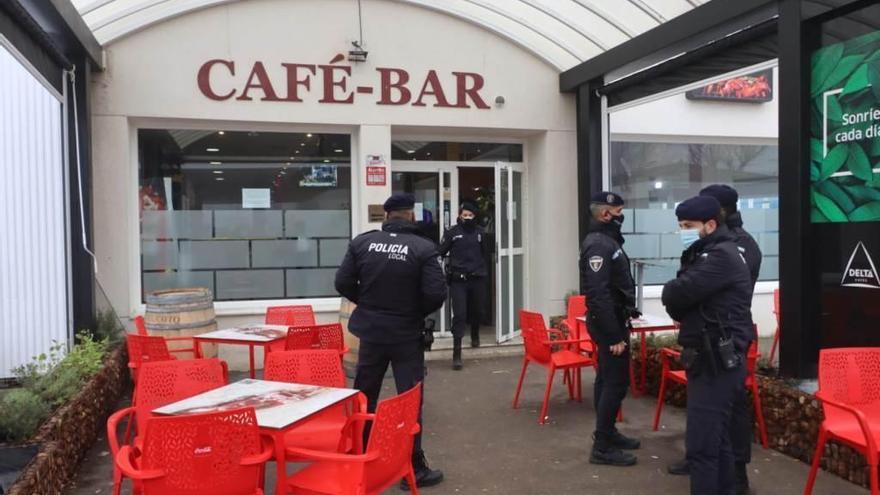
(845, 131)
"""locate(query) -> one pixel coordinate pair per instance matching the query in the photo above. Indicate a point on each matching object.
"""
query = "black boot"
(741, 478)
(604, 452)
(425, 476)
(475, 336)
(623, 442)
(456, 354)
(680, 468)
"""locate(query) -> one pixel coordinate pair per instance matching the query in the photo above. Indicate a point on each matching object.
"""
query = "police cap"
(606, 198)
(700, 208)
(469, 206)
(400, 201)
(725, 195)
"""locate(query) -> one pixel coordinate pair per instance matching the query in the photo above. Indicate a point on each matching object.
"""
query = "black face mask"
(469, 223)
(618, 221)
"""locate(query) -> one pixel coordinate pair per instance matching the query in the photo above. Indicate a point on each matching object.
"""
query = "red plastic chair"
(301, 338)
(145, 349)
(161, 383)
(330, 337)
(292, 316)
(538, 347)
(388, 457)
(142, 330)
(679, 376)
(850, 396)
(321, 367)
(327, 336)
(214, 453)
(775, 335)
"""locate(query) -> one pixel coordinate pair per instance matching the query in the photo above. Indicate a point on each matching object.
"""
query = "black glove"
(633, 313)
(428, 334)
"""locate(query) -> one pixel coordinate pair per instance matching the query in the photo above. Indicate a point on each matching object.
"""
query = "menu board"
(845, 131)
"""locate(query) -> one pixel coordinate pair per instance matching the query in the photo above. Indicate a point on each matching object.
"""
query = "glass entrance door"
(510, 265)
(434, 190)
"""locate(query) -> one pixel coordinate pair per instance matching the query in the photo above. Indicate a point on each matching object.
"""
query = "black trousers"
(467, 304)
(609, 389)
(709, 409)
(407, 361)
(741, 427)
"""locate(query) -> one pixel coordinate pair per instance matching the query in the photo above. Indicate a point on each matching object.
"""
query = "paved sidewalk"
(485, 447)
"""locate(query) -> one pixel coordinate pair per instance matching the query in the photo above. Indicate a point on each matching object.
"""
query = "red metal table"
(643, 326)
(250, 335)
(280, 408)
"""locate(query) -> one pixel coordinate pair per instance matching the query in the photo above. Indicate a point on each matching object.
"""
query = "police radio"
(727, 354)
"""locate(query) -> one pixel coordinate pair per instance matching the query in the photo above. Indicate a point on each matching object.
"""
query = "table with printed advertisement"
(643, 325)
(249, 335)
(279, 408)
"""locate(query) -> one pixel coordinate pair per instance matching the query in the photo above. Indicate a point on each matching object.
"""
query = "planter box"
(792, 418)
(72, 430)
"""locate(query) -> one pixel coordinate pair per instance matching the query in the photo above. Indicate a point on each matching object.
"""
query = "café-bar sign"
(221, 80)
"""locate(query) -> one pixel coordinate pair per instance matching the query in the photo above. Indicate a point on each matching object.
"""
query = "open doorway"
(477, 184)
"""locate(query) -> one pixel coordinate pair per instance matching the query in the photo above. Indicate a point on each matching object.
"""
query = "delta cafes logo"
(334, 82)
(860, 270)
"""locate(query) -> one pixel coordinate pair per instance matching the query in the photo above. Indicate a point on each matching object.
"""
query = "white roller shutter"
(33, 217)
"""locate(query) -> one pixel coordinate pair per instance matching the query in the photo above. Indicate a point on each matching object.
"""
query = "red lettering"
(465, 91)
(294, 82)
(259, 79)
(204, 79)
(435, 90)
(399, 85)
(330, 84)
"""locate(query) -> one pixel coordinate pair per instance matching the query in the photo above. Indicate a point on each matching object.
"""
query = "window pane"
(654, 177)
(250, 215)
(456, 152)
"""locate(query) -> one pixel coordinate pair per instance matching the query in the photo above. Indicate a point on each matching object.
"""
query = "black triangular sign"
(860, 270)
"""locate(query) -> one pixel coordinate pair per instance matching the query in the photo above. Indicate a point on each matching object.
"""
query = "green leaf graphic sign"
(845, 127)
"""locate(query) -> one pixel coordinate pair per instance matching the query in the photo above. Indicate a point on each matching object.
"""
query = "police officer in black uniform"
(710, 298)
(395, 277)
(467, 246)
(607, 283)
(741, 417)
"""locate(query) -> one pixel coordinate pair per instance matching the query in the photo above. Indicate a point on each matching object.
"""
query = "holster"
(689, 358)
(428, 334)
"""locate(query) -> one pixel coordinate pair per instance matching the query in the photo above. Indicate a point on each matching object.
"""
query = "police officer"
(395, 277)
(467, 246)
(710, 298)
(741, 417)
(607, 282)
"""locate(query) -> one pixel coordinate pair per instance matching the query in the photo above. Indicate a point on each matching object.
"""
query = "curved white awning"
(563, 33)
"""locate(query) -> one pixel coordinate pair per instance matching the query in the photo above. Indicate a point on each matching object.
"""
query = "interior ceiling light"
(658, 184)
(216, 163)
(326, 161)
(338, 151)
(410, 152)
(218, 178)
(409, 146)
(309, 135)
(222, 133)
(218, 171)
(302, 144)
(212, 150)
(297, 152)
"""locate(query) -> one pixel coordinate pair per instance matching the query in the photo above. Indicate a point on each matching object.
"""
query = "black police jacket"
(607, 282)
(747, 245)
(395, 277)
(467, 249)
(712, 285)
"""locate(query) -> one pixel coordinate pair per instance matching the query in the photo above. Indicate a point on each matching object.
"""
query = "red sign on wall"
(375, 176)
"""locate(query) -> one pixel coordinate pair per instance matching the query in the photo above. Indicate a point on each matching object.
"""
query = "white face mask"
(689, 237)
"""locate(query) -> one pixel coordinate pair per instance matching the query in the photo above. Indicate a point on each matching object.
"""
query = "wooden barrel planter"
(346, 308)
(181, 312)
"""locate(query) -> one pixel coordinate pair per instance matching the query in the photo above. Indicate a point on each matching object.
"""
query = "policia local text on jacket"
(395, 277)
(713, 285)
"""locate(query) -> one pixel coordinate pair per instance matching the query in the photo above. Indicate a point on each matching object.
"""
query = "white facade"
(151, 80)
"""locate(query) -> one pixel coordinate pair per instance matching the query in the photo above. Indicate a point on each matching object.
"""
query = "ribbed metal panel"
(33, 269)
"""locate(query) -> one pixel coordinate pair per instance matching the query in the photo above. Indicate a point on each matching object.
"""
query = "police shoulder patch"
(596, 263)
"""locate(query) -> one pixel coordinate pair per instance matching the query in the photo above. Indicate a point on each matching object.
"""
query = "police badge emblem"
(596, 263)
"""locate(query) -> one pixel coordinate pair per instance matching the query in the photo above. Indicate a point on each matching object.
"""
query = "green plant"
(107, 327)
(40, 365)
(21, 413)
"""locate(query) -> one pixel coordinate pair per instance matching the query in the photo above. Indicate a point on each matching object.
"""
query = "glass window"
(250, 215)
(654, 177)
(456, 152)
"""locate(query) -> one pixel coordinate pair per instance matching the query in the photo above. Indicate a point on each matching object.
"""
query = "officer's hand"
(617, 349)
